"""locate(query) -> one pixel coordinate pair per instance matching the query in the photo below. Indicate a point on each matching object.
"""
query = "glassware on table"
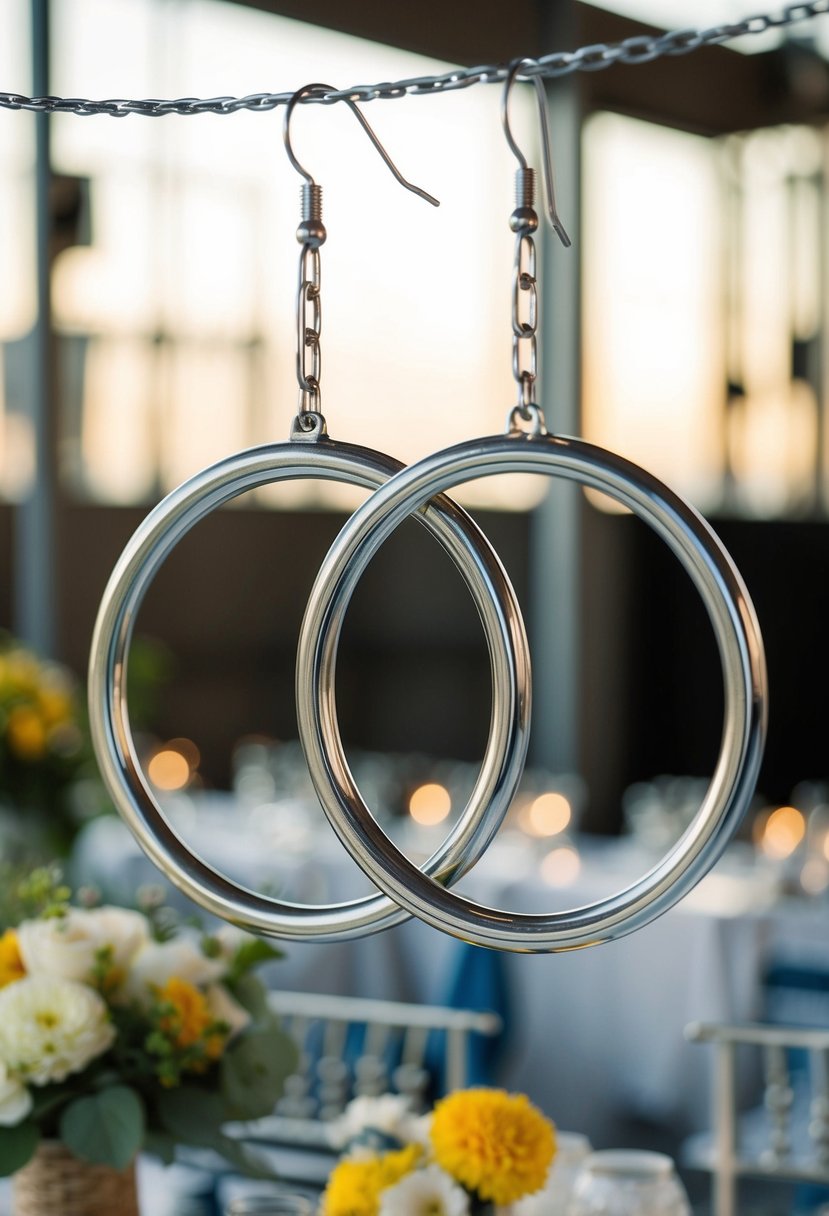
(572, 1150)
(260, 1203)
(627, 1182)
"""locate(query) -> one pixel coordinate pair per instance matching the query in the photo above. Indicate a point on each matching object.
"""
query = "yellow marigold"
(355, 1186)
(11, 964)
(191, 1021)
(26, 733)
(495, 1144)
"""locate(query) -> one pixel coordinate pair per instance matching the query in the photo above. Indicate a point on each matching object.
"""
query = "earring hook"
(546, 142)
(310, 89)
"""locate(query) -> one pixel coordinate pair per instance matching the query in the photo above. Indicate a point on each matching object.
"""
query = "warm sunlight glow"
(430, 804)
(814, 877)
(783, 831)
(653, 364)
(168, 770)
(561, 866)
(186, 287)
(547, 815)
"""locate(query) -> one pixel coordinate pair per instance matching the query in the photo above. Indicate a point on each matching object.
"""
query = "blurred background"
(147, 329)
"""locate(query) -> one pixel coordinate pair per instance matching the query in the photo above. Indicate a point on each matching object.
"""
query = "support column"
(34, 538)
(555, 542)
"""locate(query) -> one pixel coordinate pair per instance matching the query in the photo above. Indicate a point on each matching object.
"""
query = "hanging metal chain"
(524, 222)
(311, 234)
(525, 321)
(640, 49)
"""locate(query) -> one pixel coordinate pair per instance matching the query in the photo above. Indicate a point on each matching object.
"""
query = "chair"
(349, 1047)
(785, 1140)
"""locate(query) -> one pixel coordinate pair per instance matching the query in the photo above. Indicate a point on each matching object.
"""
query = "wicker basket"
(55, 1183)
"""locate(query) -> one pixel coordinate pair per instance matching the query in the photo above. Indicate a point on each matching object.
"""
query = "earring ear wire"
(525, 175)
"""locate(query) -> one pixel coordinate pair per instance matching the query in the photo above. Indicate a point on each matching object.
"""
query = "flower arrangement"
(121, 1030)
(43, 746)
(477, 1149)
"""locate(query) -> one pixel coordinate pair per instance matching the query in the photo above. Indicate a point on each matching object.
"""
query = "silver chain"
(525, 321)
(311, 235)
(524, 222)
(641, 49)
(308, 361)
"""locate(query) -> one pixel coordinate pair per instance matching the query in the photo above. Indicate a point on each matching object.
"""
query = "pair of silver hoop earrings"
(397, 493)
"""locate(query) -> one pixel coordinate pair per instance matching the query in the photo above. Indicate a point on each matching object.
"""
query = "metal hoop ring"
(741, 655)
(109, 715)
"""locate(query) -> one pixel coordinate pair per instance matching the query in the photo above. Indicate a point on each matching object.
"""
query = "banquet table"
(595, 1036)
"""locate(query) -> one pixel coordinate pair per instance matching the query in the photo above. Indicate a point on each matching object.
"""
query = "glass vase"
(626, 1182)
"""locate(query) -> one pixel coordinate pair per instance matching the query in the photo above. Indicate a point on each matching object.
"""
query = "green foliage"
(17, 1146)
(106, 1128)
(193, 1116)
(252, 996)
(26, 894)
(252, 953)
(253, 1072)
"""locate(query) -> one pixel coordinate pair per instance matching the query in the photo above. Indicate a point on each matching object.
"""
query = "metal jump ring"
(741, 656)
(109, 716)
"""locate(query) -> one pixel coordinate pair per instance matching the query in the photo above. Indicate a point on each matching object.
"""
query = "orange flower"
(190, 1021)
(11, 964)
(26, 733)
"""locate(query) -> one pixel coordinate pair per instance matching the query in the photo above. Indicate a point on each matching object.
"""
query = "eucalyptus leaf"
(253, 1072)
(251, 953)
(17, 1146)
(193, 1116)
(106, 1128)
(251, 995)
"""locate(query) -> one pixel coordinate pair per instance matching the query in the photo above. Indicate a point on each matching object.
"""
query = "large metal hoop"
(109, 715)
(741, 654)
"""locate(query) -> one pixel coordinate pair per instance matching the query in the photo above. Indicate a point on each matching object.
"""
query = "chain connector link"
(532, 418)
(308, 427)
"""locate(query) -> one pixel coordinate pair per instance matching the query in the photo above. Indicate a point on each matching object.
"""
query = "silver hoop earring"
(309, 454)
(678, 524)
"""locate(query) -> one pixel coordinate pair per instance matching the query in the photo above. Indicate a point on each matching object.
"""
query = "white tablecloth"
(594, 1036)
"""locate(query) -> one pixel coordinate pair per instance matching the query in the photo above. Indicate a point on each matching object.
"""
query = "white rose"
(224, 1008)
(158, 962)
(51, 1027)
(66, 946)
(15, 1099)
(389, 1114)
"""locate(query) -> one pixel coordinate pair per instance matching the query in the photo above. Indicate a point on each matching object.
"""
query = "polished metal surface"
(741, 654)
(305, 457)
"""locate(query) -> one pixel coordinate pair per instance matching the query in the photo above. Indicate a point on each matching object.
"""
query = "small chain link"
(308, 359)
(632, 51)
(525, 321)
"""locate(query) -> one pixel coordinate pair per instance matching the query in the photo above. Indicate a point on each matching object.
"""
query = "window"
(177, 320)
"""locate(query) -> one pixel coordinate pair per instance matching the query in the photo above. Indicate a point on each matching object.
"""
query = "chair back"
(787, 1139)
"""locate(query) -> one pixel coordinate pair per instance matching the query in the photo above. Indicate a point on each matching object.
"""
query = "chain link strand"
(640, 49)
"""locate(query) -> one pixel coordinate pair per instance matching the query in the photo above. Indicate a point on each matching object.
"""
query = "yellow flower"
(496, 1144)
(191, 1020)
(26, 733)
(55, 704)
(11, 964)
(355, 1186)
(21, 671)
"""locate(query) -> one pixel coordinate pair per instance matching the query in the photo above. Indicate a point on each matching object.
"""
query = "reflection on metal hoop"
(109, 716)
(741, 655)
